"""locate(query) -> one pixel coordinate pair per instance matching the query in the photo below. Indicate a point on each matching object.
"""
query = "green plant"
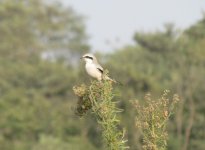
(99, 98)
(152, 118)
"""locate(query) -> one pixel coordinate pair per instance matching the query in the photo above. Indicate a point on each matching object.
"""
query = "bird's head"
(89, 58)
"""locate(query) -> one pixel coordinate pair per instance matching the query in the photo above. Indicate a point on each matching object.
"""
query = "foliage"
(52, 143)
(152, 119)
(158, 41)
(98, 97)
(159, 61)
(36, 98)
(30, 26)
(34, 102)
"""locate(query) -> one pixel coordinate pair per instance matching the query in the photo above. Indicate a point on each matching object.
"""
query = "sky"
(111, 24)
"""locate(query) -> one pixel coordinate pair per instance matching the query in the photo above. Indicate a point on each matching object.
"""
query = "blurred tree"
(35, 97)
(158, 41)
(165, 60)
(30, 26)
(197, 31)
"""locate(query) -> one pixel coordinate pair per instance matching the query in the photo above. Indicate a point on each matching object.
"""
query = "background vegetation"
(39, 63)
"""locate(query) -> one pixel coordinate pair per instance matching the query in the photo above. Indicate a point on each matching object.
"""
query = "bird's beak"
(81, 57)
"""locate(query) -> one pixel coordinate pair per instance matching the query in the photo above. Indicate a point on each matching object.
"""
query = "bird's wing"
(99, 68)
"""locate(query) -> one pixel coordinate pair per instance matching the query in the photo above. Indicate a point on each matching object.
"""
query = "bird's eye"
(89, 57)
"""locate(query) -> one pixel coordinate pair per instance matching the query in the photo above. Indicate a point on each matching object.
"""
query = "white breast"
(93, 71)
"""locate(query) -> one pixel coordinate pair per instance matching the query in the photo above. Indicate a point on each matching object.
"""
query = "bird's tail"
(112, 80)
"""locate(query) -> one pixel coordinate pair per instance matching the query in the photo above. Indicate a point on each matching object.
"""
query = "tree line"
(37, 103)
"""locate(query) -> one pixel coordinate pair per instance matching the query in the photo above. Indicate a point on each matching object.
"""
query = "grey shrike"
(93, 68)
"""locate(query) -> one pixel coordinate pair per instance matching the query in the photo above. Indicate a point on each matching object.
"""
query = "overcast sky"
(112, 23)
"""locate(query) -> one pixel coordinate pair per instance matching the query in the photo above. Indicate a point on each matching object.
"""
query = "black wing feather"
(100, 70)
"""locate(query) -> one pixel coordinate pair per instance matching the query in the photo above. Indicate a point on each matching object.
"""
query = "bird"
(94, 69)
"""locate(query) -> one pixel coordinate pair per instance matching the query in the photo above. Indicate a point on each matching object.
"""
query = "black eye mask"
(89, 57)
